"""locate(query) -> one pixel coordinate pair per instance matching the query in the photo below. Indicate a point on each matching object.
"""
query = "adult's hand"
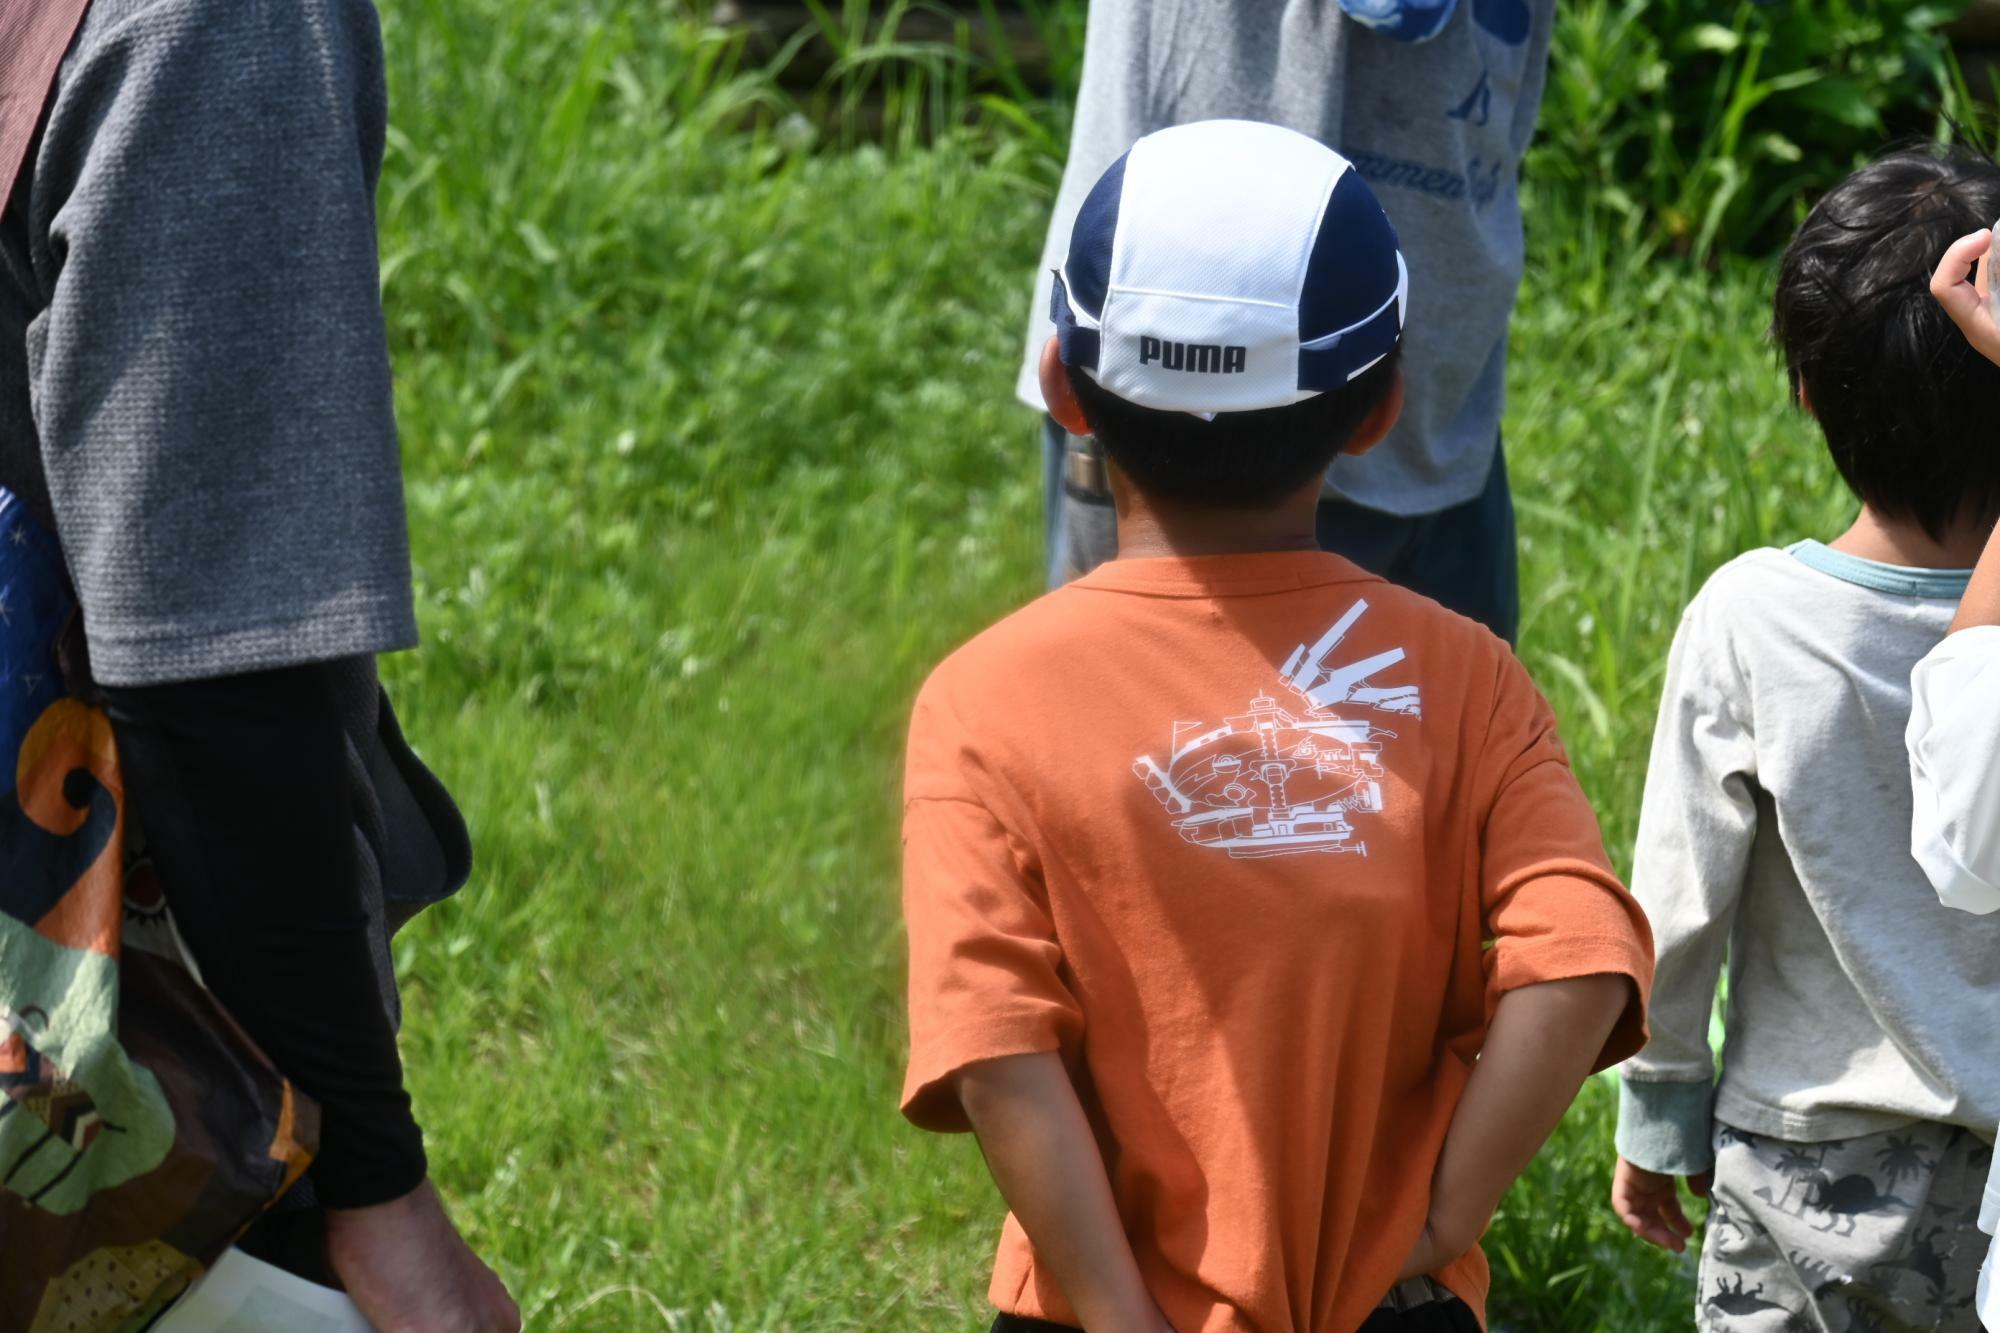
(1960, 286)
(406, 1266)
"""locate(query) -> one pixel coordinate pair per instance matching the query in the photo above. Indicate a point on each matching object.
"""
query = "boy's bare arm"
(1539, 1049)
(1044, 1158)
(1981, 603)
(1962, 284)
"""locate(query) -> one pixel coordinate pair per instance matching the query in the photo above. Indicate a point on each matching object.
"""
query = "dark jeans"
(1443, 1317)
(1464, 557)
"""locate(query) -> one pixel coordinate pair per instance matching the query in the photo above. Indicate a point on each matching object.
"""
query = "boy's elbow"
(1619, 1005)
(1591, 1013)
(1607, 997)
(986, 1088)
(1602, 993)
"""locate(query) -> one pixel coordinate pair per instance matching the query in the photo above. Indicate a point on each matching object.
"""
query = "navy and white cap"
(1229, 266)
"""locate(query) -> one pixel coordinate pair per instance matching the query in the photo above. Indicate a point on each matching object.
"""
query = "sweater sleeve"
(1954, 744)
(210, 378)
(241, 784)
(1697, 823)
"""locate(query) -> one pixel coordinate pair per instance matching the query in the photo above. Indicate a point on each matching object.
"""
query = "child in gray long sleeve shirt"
(1844, 1143)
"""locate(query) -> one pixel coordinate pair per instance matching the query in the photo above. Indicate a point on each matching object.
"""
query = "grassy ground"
(711, 453)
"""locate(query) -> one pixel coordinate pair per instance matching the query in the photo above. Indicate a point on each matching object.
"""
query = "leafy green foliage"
(1706, 124)
(1694, 125)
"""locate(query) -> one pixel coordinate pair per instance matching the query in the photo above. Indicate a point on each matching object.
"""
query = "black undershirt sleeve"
(242, 788)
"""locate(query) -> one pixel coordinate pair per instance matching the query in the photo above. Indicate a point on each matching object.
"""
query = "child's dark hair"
(1907, 407)
(1240, 460)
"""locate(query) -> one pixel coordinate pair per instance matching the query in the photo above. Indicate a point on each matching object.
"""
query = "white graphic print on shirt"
(1272, 783)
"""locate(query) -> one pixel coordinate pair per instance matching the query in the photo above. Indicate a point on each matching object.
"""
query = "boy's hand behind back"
(1649, 1204)
(1429, 1255)
(1539, 1048)
(1045, 1159)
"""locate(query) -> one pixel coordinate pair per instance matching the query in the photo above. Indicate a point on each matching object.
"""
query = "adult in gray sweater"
(1434, 102)
(194, 399)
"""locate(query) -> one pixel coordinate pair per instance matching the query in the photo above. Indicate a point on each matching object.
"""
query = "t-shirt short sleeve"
(1553, 906)
(210, 373)
(986, 976)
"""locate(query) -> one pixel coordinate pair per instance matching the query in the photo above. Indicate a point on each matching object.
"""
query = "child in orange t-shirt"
(1258, 927)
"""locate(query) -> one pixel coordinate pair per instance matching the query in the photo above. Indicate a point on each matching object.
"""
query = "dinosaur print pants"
(1874, 1233)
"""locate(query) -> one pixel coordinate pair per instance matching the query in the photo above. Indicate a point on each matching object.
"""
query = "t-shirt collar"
(1902, 580)
(1236, 575)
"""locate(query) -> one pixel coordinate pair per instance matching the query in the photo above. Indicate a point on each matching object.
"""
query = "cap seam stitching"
(1192, 296)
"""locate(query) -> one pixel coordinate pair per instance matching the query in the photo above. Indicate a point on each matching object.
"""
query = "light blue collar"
(1902, 580)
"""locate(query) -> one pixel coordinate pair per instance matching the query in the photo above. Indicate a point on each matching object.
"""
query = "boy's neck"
(1150, 526)
(1896, 541)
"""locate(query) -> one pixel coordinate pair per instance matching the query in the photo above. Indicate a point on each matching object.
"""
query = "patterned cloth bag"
(140, 1129)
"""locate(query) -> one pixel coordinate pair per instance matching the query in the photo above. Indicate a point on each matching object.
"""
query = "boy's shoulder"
(1748, 588)
(1017, 639)
(1038, 646)
(1773, 612)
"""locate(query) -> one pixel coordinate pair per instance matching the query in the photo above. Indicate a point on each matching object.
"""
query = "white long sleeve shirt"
(1773, 836)
(1954, 744)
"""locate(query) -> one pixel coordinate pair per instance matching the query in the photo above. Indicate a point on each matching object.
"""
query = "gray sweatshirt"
(1437, 128)
(1775, 833)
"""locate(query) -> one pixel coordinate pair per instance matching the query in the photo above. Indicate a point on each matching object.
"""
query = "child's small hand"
(1649, 1204)
(1960, 286)
(1444, 1238)
(1424, 1258)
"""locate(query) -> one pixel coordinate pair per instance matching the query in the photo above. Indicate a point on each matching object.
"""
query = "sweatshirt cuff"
(1667, 1127)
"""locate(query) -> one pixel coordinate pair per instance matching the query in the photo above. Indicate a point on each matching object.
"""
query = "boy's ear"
(1375, 427)
(1061, 399)
(1805, 399)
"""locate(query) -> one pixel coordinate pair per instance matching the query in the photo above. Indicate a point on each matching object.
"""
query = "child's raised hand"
(1649, 1204)
(1960, 286)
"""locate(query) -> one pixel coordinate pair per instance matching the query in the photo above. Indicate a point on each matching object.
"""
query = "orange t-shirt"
(1256, 841)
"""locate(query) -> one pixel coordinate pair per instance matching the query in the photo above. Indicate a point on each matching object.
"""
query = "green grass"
(711, 453)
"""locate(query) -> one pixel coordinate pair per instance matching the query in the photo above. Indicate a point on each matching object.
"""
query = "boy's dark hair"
(1907, 407)
(1240, 460)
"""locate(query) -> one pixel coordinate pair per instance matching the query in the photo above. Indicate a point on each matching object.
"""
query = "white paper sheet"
(245, 1295)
